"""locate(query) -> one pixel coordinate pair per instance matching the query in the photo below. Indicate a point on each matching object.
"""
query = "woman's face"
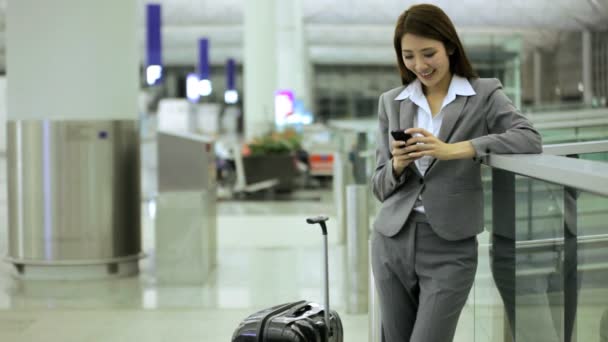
(427, 59)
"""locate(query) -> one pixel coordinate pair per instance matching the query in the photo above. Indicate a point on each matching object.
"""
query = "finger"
(399, 151)
(403, 154)
(397, 144)
(418, 147)
(406, 155)
(403, 159)
(421, 154)
(419, 131)
(423, 139)
(410, 149)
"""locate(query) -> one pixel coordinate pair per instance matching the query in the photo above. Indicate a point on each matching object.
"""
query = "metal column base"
(357, 237)
(77, 269)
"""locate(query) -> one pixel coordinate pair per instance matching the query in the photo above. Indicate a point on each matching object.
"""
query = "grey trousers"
(422, 280)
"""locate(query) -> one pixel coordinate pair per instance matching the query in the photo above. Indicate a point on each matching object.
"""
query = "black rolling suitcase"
(301, 321)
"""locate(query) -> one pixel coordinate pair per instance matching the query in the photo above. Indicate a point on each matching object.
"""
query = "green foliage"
(276, 143)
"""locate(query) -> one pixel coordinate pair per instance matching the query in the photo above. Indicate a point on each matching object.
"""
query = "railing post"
(570, 266)
(503, 243)
(374, 317)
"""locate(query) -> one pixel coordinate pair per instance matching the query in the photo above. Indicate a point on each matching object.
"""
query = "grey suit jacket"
(451, 190)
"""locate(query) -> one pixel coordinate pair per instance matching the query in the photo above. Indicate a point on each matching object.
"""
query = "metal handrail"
(572, 124)
(592, 241)
(570, 115)
(585, 175)
(598, 146)
(564, 149)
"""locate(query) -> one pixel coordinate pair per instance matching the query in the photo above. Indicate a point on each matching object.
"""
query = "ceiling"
(360, 31)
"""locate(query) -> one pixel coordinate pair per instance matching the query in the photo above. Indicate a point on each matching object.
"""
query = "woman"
(424, 249)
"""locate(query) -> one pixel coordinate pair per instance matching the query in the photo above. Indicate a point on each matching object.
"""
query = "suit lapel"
(451, 114)
(407, 110)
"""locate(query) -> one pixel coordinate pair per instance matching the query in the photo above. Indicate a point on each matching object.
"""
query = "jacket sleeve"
(384, 182)
(509, 132)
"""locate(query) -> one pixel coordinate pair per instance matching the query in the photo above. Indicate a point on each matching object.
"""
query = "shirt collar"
(458, 86)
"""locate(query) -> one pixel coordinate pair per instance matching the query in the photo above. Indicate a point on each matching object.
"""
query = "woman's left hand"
(430, 145)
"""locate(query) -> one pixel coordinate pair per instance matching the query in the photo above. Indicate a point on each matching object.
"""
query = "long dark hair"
(431, 22)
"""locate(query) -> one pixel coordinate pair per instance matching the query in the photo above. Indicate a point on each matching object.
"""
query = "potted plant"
(272, 156)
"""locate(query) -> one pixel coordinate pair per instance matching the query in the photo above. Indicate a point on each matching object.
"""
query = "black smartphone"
(401, 135)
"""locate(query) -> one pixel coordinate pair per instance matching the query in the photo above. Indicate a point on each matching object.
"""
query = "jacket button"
(421, 181)
(487, 150)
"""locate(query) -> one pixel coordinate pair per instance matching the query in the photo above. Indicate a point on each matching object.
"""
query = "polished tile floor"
(267, 254)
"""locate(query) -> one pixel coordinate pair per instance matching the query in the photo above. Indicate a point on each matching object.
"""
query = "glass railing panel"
(603, 156)
(517, 286)
(591, 280)
(543, 269)
(554, 107)
(526, 275)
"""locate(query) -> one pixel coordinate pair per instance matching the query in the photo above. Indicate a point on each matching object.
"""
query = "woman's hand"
(401, 156)
(430, 145)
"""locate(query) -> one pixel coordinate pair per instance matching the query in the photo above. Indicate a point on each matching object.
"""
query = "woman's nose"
(419, 65)
(421, 68)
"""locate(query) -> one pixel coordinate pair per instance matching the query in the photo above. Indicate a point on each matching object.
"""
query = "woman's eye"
(429, 55)
(408, 57)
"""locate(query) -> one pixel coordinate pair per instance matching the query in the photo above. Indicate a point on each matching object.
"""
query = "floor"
(266, 255)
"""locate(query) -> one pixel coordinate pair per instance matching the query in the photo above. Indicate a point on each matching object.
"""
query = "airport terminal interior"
(159, 159)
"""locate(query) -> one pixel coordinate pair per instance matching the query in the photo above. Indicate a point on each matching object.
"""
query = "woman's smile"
(427, 75)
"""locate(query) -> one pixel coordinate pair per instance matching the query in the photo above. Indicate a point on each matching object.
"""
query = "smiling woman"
(424, 246)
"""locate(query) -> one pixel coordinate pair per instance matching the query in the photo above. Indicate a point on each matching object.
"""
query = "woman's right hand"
(401, 158)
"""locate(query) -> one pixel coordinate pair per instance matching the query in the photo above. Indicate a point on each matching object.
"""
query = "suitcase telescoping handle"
(321, 221)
